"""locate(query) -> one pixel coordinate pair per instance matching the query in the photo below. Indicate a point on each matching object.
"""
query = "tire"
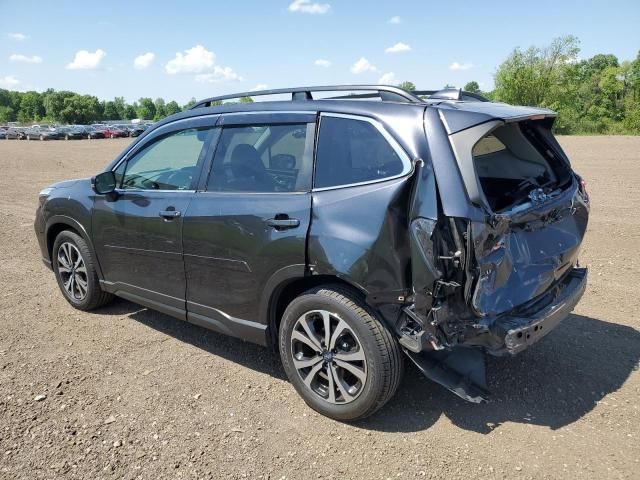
(69, 244)
(364, 336)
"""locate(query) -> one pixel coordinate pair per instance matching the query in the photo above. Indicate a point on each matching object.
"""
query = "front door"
(250, 221)
(138, 231)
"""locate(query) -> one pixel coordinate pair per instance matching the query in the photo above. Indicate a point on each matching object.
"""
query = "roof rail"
(385, 92)
(450, 94)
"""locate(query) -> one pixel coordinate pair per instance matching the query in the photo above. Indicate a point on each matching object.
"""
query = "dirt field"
(134, 394)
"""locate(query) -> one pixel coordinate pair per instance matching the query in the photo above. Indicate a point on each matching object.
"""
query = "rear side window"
(263, 159)
(354, 151)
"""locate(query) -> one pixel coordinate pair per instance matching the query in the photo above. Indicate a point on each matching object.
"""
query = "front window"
(170, 163)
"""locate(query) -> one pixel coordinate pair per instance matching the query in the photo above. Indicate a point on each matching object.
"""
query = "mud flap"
(460, 370)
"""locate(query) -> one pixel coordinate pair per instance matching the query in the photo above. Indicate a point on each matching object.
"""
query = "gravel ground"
(129, 393)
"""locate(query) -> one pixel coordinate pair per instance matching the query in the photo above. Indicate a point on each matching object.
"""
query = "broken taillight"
(583, 188)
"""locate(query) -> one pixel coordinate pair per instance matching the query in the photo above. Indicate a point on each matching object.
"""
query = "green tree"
(189, 104)
(110, 111)
(131, 111)
(121, 108)
(160, 107)
(472, 87)
(31, 107)
(146, 108)
(172, 107)
(80, 109)
(408, 86)
(7, 114)
(532, 77)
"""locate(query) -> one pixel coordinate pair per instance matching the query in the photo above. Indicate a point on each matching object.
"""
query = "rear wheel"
(74, 267)
(338, 355)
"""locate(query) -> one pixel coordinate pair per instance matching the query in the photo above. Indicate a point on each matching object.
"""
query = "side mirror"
(104, 183)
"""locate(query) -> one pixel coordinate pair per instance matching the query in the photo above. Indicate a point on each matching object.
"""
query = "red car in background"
(111, 132)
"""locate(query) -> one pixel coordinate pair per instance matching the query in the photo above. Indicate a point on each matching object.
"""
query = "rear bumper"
(514, 333)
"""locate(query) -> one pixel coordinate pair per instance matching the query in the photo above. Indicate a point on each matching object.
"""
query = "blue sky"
(196, 49)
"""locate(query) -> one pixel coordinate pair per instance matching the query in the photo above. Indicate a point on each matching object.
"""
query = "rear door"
(249, 220)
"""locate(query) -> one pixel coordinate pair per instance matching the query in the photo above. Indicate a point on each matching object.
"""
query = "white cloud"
(194, 60)
(321, 62)
(218, 74)
(363, 65)
(460, 66)
(395, 20)
(260, 86)
(143, 61)
(388, 79)
(24, 59)
(85, 60)
(9, 81)
(306, 6)
(17, 36)
(398, 48)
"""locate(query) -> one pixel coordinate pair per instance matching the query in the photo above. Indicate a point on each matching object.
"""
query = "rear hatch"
(527, 210)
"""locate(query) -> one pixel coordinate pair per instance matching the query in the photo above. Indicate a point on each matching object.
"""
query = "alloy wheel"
(72, 271)
(328, 356)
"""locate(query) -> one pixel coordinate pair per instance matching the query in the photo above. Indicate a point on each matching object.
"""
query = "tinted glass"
(170, 163)
(353, 151)
(263, 158)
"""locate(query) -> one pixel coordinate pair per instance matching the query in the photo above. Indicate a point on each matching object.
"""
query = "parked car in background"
(91, 132)
(16, 133)
(42, 133)
(133, 130)
(110, 131)
(73, 132)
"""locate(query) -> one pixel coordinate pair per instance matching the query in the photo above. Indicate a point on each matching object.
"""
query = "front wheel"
(75, 272)
(338, 355)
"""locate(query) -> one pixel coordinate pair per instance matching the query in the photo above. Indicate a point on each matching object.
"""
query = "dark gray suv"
(348, 231)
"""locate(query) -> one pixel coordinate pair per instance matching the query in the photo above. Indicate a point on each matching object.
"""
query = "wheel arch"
(60, 223)
(282, 293)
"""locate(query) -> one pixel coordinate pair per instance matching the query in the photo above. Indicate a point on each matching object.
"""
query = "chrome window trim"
(404, 157)
(123, 191)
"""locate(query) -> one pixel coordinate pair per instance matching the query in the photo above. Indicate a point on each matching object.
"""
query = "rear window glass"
(353, 151)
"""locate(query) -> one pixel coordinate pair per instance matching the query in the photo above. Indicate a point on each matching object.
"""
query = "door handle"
(169, 214)
(283, 223)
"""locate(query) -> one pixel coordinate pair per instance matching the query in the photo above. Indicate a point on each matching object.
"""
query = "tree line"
(72, 108)
(600, 94)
